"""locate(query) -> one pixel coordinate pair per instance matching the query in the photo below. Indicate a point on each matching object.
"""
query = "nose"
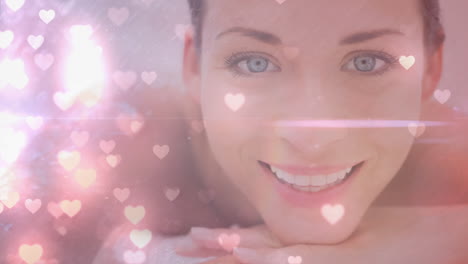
(311, 126)
(310, 137)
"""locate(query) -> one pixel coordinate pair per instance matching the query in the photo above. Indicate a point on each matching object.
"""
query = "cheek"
(231, 134)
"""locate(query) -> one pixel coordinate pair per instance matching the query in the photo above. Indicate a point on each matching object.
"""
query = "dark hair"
(434, 35)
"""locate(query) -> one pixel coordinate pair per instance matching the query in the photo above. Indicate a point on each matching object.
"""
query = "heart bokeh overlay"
(89, 137)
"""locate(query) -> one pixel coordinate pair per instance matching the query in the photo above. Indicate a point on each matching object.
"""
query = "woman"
(307, 110)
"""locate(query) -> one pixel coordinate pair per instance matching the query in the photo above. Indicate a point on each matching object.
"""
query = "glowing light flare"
(12, 73)
(6, 38)
(85, 75)
(7, 178)
(8, 119)
(330, 123)
(12, 143)
(81, 32)
(35, 122)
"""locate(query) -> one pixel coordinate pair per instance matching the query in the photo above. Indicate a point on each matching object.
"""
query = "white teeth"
(301, 188)
(342, 175)
(318, 180)
(301, 180)
(311, 183)
(332, 177)
(315, 189)
(273, 169)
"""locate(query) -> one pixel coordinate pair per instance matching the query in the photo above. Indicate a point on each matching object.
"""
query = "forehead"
(298, 20)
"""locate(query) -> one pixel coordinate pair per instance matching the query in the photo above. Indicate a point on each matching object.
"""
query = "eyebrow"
(365, 36)
(272, 39)
(262, 36)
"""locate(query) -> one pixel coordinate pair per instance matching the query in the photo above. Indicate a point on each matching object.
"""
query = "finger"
(253, 237)
(187, 247)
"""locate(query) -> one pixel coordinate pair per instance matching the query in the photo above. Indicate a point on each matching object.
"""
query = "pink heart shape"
(79, 137)
(294, 259)
(416, 129)
(44, 61)
(33, 205)
(161, 151)
(118, 15)
(134, 257)
(172, 193)
(121, 194)
(229, 242)
(124, 79)
(107, 146)
(148, 77)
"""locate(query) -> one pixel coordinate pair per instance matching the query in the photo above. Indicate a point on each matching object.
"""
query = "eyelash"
(231, 61)
(389, 59)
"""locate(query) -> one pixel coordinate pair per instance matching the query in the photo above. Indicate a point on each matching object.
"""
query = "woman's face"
(324, 64)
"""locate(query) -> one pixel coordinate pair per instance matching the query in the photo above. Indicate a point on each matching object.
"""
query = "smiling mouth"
(309, 183)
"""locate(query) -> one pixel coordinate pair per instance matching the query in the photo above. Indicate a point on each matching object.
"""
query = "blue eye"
(250, 64)
(365, 63)
(369, 63)
(255, 64)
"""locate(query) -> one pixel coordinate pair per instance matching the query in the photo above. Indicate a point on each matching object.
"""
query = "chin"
(291, 232)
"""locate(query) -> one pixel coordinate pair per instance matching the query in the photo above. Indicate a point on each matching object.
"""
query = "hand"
(387, 235)
(257, 245)
(159, 250)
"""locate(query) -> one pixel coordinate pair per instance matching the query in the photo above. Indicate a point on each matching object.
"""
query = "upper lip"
(311, 170)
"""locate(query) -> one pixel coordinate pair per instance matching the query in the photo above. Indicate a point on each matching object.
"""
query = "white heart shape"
(416, 129)
(442, 96)
(47, 15)
(35, 41)
(333, 213)
(407, 62)
(15, 5)
(234, 102)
